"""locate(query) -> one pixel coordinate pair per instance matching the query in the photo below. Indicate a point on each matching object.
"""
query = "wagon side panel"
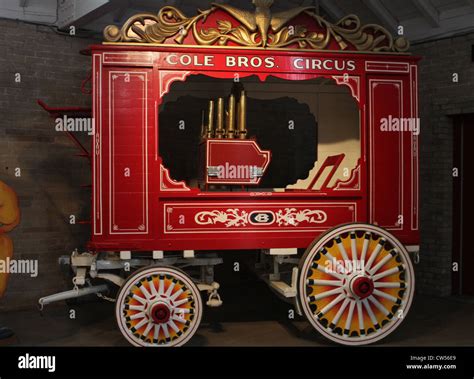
(123, 150)
(393, 154)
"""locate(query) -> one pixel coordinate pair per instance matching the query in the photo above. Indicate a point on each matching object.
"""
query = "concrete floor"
(251, 316)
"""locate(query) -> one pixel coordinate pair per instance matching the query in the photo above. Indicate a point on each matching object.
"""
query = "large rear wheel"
(356, 284)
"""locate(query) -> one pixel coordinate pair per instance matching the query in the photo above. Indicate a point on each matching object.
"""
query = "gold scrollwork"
(256, 29)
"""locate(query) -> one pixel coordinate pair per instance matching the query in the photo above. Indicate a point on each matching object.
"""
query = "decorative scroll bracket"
(299, 28)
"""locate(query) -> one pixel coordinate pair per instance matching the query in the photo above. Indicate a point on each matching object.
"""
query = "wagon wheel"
(356, 284)
(158, 306)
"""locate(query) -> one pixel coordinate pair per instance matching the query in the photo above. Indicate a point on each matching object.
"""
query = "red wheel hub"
(362, 287)
(160, 313)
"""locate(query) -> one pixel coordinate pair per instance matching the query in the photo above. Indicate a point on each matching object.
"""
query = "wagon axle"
(160, 313)
(362, 287)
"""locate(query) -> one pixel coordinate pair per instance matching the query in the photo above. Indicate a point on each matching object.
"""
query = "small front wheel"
(356, 284)
(158, 307)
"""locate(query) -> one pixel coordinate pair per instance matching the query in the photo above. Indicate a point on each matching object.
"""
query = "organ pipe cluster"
(230, 123)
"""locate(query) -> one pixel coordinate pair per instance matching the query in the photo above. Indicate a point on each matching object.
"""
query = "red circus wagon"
(279, 134)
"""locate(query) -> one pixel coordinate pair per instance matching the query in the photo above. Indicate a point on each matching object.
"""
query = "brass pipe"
(203, 127)
(210, 120)
(242, 116)
(220, 118)
(230, 130)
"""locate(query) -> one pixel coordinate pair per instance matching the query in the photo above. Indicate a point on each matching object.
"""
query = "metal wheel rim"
(172, 295)
(310, 292)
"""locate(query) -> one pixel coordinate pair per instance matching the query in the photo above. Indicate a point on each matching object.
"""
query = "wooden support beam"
(80, 12)
(121, 11)
(429, 12)
(382, 13)
(332, 9)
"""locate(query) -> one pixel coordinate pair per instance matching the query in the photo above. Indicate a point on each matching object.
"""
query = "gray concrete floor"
(251, 316)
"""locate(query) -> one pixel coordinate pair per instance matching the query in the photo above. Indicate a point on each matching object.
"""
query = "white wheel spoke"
(349, 316)
(365, 246)
(334, 261)
(182, 310)
(379, 265)
(385, 295)
(387, 285)
(145, 291)
(375, 254)
(317, 282)
(342, 249)
(360, 316)
(156, 334)
(137, 316)
(330, 272)
(166, 330)
(331, 305)
(327, 254)
(379, 305)
(141, 323)
(181, 302)
(153, 290)
(148, 328)
(140, 308)
(139, 299)
(173, 326)
(322, 295)
(341, 310)
(161, 288)
(354, 246)
(385, 273)
(176, 295)
(369, 311)
(170, 289)
(179, 319)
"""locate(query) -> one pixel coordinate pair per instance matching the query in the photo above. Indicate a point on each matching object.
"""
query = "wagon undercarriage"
(354, 284)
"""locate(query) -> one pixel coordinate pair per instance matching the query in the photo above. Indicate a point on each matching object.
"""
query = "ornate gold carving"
(257, 29)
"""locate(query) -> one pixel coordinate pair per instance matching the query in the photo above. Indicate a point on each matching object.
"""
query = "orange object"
(9, 219)
(6, 251)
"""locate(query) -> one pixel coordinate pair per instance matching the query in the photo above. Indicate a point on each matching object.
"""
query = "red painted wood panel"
(127, 111)
(131, 212)
(392, 166)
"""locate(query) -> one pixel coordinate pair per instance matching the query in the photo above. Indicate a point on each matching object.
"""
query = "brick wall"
(440, 98)
(49, 190)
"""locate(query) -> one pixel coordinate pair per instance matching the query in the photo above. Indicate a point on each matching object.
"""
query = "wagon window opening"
(311, 128)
